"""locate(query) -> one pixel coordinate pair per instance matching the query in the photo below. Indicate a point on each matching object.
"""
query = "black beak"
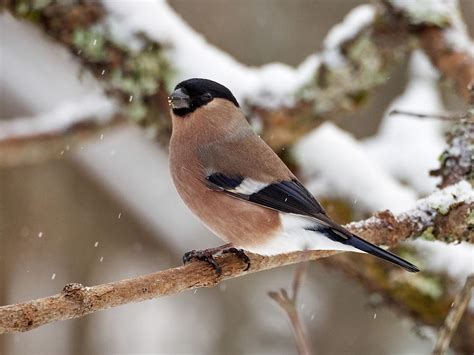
(179, 99)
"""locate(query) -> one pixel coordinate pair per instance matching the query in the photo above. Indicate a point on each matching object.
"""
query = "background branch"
(458, 307)
(457, 160)
(426, 298)
(36, 147)
(139, 79)
(288, 304)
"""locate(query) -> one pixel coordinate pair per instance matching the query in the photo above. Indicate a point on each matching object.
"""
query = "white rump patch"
(294, 237)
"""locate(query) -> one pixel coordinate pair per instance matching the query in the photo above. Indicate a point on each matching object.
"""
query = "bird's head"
(191, 94)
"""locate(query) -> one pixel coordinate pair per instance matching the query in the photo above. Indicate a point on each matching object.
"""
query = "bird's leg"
(207, 255)
(240, 253)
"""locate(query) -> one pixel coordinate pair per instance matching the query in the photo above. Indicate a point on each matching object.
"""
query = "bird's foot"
(207, 255)
(240, 253)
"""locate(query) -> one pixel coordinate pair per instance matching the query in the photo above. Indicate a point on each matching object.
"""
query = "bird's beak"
(179, 99)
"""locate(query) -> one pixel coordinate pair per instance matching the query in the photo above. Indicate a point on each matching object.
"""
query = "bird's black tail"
(372, 249)
(342, 235)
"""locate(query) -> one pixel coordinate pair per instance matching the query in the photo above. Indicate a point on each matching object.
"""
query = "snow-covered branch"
(53, 133)
(444, 38)
(92, 109)
(137, 50)
(457, 160)
(336, 165)
(443, 207)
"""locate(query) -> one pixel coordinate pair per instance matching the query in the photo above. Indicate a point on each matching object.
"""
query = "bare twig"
(297, 280)
(424, 115)
(454, 317)
(288, 304)
(76, 301)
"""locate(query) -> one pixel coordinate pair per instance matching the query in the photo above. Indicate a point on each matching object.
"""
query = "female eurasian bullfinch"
(239, 188)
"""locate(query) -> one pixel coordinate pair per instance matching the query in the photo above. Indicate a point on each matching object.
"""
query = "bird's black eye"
(206, 97)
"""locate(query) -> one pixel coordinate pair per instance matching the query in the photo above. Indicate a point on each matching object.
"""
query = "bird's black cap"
(191, 94)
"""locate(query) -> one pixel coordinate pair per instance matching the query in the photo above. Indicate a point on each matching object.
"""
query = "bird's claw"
(207, 255)
(187, 257)
(203, 255)
(240, 253)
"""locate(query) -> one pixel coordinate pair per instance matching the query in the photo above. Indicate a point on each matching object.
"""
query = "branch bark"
(458, 308)
(457, 160)
(76, 300)
(456, 65)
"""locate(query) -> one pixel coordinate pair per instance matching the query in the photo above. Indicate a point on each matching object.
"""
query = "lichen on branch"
(136, 73)
(457, 160)
(136, 70)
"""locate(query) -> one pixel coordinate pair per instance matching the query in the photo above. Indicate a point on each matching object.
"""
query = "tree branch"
(453, 63)
(138, 79)
(425, 298)
(457, 160)
(410, 296)
(458, 307)
(54, 133)
(44, 147)
(76, 300)
(288, 304)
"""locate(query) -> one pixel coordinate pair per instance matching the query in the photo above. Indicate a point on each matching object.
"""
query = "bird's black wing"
(284, 196)
(292, 197)
(223, 182)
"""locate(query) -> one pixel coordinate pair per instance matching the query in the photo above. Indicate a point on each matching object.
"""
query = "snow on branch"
(138, 50)
(457, 160)
(356, 21)
(398, 147)
(272, 85)
(425, 219)
(91, 109)
(76, 300)
(337, 166)
(422, 12)
(53, 133)
(192, 56)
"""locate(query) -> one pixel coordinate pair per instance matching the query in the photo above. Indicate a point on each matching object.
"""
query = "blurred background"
(106, 210)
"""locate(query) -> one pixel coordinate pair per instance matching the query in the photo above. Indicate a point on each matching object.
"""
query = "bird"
(240, 189)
